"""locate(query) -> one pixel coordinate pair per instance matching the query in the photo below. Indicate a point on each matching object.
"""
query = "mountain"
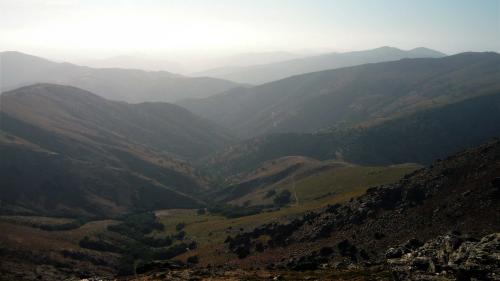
(88, 118)
(40, 182)
(229, 65)
(350, 96)
(454, 199)
(129, 85)
(263, 73)
(135, 62)
(309, 180)
(420, 137)
(66, 150)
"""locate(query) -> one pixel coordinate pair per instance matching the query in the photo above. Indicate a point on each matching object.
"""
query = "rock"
(450, 256)
(399, 251)
(393, 253)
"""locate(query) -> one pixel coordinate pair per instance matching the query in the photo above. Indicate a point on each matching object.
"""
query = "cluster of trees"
(233, 211)
(137, 225)
(282, 198)
(138, 247)
(64, 226)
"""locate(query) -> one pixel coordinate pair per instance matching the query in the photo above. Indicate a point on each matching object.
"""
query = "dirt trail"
(295, 191)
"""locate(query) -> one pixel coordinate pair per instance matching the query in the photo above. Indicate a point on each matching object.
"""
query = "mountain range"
(377, 169)
(420, 137)
(112, 157)
(263, 73)
(130, 85)
(350, 96)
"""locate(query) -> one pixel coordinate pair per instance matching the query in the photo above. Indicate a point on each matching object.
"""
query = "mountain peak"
(387, 48)
(423, 51)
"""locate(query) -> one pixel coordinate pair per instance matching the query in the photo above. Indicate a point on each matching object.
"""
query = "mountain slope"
(420, 137)
(263, 73)
(91, 119)
(308, 180)
(456, 194)
(75, 153)
(349, 96)
(40, 182)
(113, 83)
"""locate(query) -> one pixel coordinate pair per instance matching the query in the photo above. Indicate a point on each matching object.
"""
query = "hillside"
(38, 182)
(354, 95)
(68, 151)
(307, 180)
(92, 120)
(455, 197)
(128, 85)
(421, 137)
(264, 73)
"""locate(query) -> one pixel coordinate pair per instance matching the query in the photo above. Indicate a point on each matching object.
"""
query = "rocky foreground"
(448, 257)
(410, 230)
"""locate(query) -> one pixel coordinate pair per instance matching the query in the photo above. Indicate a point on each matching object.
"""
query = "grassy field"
(335, 185)
(316, 191)
(347, 179)
(335, 178)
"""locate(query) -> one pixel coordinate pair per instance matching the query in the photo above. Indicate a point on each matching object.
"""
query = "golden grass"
(332, 186)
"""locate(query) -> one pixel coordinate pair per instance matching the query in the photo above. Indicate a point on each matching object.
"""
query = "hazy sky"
(105, 27)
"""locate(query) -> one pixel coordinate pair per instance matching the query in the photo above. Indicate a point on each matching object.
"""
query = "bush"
(326, 251)
(180, 226)
(231, 211)
(270, 193)
(65, 226)
(137, 225)
(172, 251)
(193, 245)
(259, 247)
(180, 236)
(282, 198)
(242, 252)
(156, 242)
(98, 245)
(193, 260)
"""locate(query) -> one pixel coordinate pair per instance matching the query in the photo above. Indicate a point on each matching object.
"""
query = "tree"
(180, 226)
(282, 198)
(270, 193)
(193, 260)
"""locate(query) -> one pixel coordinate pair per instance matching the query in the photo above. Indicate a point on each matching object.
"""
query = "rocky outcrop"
(459, 193)
(449, 257)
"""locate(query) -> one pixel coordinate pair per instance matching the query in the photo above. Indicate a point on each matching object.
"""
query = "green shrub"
(193, 260)
(282, 198)
(180, 226)
(98, 245)
(270, 193)
(231, 211)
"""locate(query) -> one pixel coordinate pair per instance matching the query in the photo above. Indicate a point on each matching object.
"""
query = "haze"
(195, 30)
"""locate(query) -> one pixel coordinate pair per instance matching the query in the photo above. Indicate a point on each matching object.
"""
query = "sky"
(101, 28)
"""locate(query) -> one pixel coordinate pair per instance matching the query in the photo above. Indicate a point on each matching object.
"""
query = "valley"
(209, 230)
(343, 174)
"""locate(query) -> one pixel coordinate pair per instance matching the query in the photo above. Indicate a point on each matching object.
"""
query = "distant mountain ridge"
(130, 85)
(351, 96)
(263, 73)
